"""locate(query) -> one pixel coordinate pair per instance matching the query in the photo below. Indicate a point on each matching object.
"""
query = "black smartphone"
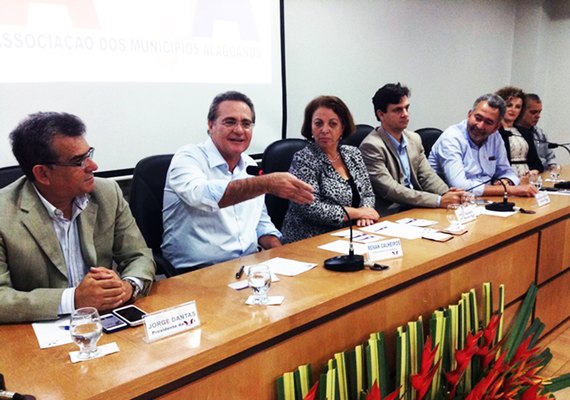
(111, 323)
(131, 314)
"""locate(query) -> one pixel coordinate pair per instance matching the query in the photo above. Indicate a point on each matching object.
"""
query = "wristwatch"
(136, 289)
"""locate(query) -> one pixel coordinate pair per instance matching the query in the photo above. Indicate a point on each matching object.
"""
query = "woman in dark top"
(337, 172)
(520, 146)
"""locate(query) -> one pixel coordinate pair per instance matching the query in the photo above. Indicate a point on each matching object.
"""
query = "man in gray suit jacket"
(62, 230)
(399, 171)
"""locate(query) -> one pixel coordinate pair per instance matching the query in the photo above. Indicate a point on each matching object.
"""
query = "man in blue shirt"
(213, 210)
(473, 153)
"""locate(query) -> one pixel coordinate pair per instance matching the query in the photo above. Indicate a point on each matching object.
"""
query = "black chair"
(429, 137)
(362, 130)
(277, 157)
(147, 192)
(9, 175)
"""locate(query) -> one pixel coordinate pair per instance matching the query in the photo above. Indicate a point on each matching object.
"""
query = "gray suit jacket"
(387, 176)
(33, 273)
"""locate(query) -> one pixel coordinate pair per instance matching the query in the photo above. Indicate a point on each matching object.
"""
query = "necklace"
(333, 160)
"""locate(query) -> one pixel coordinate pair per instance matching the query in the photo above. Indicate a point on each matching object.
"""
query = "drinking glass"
(535, 180)
(86, 329)
(259, 278)
(554, 171)
(452, 211)
(468, 200)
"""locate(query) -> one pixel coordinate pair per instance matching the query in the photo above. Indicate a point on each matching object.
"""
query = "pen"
(66, 327)
(238, 274)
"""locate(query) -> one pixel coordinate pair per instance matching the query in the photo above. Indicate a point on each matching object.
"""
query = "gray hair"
(494, 101)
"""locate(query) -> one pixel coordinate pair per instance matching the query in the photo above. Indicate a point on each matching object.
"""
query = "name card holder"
(385, 249)
(171, 321)
(542, 199)
(465, 214)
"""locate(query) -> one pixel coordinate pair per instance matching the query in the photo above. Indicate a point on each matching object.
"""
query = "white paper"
(239, 285)
(343, 247)
(560, 193)
(52, 333)
(287, 267)
(103, 350)
(416, 222)
(484, 211)
(389, 228)
(271, 300)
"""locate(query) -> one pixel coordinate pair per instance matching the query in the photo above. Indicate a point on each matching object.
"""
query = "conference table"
(239, 350)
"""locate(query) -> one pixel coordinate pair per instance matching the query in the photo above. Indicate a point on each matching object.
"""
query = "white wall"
(447, 52)
(542, 61)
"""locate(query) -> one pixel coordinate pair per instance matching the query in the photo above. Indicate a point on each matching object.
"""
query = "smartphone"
(111, 323)
(131, 314)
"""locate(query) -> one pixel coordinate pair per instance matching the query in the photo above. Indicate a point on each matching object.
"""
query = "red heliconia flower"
(312, 395)
(490, 331)
(532, 394)
(523, 352)
(374, 393)
(422, 381)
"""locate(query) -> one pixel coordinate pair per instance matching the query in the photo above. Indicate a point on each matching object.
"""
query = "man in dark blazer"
(399, 171)
(62, 230)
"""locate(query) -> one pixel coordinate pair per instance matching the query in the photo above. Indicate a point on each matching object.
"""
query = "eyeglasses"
(81, 161)
(246, 124)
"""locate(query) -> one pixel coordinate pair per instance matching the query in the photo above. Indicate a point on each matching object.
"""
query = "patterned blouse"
(519, 152)
(311, 165)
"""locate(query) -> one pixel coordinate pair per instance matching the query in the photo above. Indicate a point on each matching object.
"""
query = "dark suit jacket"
(33, 273)
(387, 175)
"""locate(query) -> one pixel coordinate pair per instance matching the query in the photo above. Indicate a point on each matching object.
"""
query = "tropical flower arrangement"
(462, 357)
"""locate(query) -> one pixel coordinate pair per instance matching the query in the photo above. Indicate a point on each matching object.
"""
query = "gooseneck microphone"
(505, 205)
(556, 145)
(346, 263)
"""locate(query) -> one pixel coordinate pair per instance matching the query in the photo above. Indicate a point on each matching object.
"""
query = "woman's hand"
(363, 216)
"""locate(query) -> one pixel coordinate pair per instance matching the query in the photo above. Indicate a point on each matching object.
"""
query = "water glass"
(554, 171)
(468, 200)
(86, 329)
(535, 180)
(453, 218)
(259, 279)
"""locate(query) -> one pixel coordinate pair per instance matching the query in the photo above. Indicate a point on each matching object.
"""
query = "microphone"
(556, 145)
(346, 263)
(253, 170)
(503, 206)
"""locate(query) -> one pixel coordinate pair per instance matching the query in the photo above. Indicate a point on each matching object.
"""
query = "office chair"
(429, 137)
(362, 130)
(9, 175)
(147, 192)
(277, 157)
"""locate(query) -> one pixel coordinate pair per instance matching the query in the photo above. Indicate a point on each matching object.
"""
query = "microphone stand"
(346, 263)
(505, 205)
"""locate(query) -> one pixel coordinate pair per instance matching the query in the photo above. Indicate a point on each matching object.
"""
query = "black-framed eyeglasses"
(81, 161)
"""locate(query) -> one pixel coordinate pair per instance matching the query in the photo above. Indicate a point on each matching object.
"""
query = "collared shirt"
(67, 233)
(196, 230)
(401, 149)
(464, 165)
(545, 154)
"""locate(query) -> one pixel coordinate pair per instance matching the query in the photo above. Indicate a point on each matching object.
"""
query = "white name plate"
(170, 321)
(542, 198)
(465, 214)
(384, 249)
